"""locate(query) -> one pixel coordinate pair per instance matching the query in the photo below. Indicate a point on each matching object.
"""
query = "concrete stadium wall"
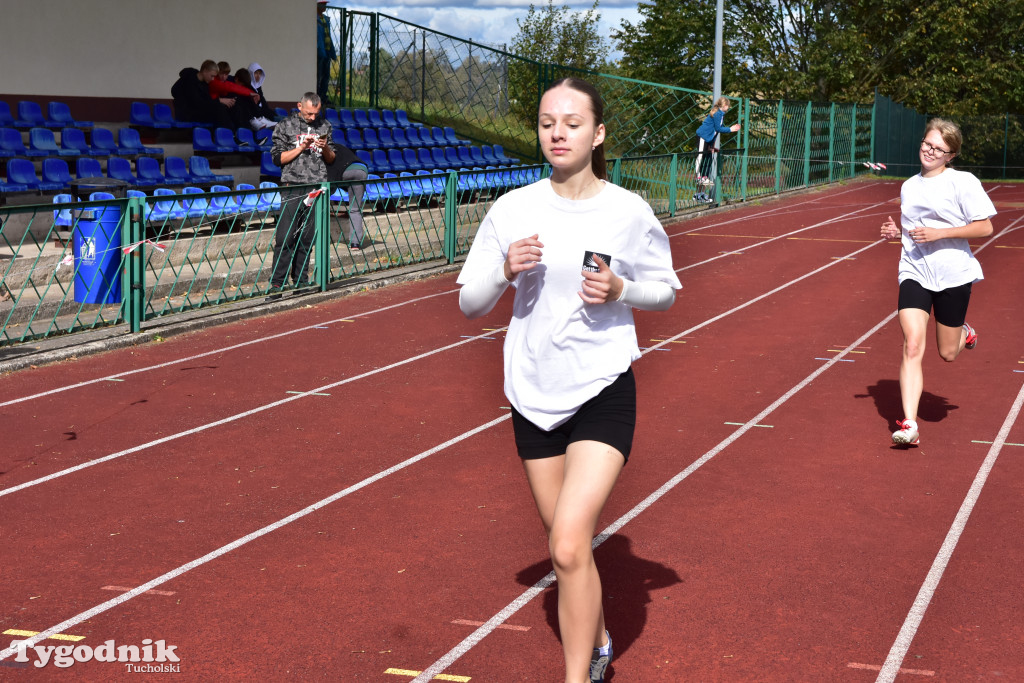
(99, 55)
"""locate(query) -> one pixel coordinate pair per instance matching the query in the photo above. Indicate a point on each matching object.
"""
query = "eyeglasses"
(928, 147)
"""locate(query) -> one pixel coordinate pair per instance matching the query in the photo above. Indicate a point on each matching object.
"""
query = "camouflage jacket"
(308, 167)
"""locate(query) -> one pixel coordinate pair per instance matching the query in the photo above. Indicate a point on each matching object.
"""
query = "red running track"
(333, 492)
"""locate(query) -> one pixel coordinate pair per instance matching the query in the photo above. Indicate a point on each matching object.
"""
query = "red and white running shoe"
(907, 434)
(972, 337)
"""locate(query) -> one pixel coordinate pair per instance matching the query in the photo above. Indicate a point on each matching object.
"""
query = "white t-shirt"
(559, 351)
(951, 199)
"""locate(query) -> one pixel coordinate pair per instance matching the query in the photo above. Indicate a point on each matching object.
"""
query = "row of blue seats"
(434, 159)
(223, 140)
(42, 143)
(30, 115)
(21, 174)
(202, 207)
(368, 118)
(386, 138)
(423, 184)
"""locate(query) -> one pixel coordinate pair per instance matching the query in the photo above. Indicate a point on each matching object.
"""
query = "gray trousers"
(355, 201)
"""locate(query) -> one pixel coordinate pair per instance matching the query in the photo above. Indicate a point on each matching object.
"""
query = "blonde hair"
(950, 133)
(721, 102)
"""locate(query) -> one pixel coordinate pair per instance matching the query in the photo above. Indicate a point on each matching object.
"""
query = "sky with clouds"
(492, 22)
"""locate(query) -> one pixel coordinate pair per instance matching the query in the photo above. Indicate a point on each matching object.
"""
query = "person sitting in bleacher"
(245, 111)
(192, 101)
(265, 112)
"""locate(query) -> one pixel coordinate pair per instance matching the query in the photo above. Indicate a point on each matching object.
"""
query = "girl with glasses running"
(941, 209)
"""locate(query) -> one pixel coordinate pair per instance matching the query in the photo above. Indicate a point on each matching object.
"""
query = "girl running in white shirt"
(580, 253)
(941, 209)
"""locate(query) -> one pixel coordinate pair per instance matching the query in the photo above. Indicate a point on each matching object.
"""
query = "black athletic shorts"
(609, 417)
(950, 304)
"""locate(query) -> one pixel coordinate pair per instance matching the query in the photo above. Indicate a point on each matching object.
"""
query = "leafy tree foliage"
(552, 35)
(954, 57)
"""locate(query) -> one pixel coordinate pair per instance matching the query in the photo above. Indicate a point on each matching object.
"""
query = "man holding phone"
(302, 147)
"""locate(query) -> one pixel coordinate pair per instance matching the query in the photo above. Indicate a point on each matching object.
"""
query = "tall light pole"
(719, 13)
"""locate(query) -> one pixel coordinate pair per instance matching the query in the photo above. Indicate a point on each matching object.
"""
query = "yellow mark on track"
(840, 351)
(1005, 443)
(824, 239)
(740, 424)
(438, 677)
(679, 341)
(1007, 246)
(29, 634)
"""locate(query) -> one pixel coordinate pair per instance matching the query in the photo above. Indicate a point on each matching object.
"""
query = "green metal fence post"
(853, 142)
(374, 58)
(672, 184)
(831, 139)
(778, 150)
(874, 111)
(745, 123)
(133, 285)
(451, 216)
(322, 237)
(616, 171)
(807, 146)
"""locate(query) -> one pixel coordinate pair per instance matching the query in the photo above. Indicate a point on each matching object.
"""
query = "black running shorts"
(609, 417)
(950, 304)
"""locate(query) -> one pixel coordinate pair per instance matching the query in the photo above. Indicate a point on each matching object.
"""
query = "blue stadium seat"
(165, 209)
(41, 140)
(199, 167)
(412, 162)
(281, 112)
(370, 140)
(202, 141)
(196, 207)
(390, 189)
(56, 171)
(409, 185)
(246, 140)
(465, 157)
(400, 138)
(353, 139)
(499, 152)
(427, 185)
(380, 160)
(385, 138)
(451, 158)
(403, 118)
(438, 155)
(30, 115)
(129, 138)
(88, 168)
(60, 114)
(426, 161)
(426, 139)
(373, 116)
(225, 139)
(332, 117)
(6, 120)
(269, 201)
(437, 134)
(478, 156)
(248, 201)
(163, 114)
(264, 138)
(347, 119)
(73, 141)
(62, 215)
(103, 139)
(12, 146)
(452, 139)
(339, 195)
(362, 120)
(366, 158)
(396, 163)
(146, 208)
(148, 170)
(140, 115)
(488, 153)
(226, 205)
(389, 118)
(176, 171)
(23, 172)
(121, 169)
(268, 167)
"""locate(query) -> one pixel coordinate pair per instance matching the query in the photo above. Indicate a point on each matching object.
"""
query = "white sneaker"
(907, 434)
(600, 660)
(261, 122)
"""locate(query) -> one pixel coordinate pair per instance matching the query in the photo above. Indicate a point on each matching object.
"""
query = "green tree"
(551, 35)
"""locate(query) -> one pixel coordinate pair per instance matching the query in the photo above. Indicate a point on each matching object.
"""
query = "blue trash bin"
(96, 243)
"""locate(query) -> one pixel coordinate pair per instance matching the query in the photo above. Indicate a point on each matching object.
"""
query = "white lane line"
(236, 416)
(317, 325)
(479, 634)
(223, 550)
(931, 582)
